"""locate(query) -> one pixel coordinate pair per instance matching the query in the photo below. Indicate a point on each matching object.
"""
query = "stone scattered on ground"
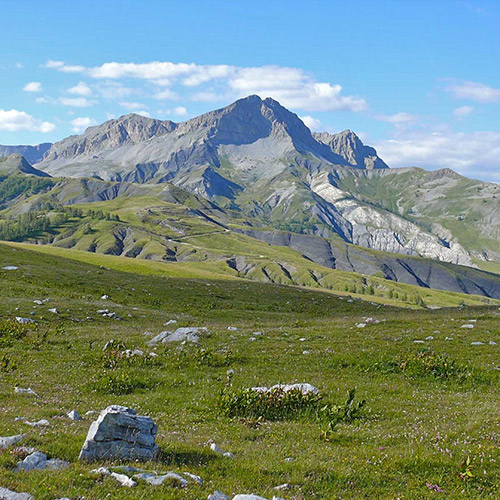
(120, 434)
(218, 495)
(29, 390)
(170, 322)
(159, 479)
(477, 343)
(470, 326)
(74, 415)
(128, 353)
(39, 423)
(38, 461)
(10, 268)
(24, 321)
(6, 494)
(217, 449)
(104, 297)
(8, 441)
(184, 334)
(54, 310)
(304, 388)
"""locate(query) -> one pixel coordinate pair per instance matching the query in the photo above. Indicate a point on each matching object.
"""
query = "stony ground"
(429, 428)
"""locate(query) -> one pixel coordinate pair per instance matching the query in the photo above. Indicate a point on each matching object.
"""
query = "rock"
(194, 477)
(303, 388)
(56, 464)
(282, 487)
(40, 423)
(54, 310)
(185, 334)
(123, 479)
(248, 497)
(217, 495)
(360, 325)
(477, 343)
(157, 479)
(6, 494)
(120, 434)
(8, 441)
(36, 460)
(217, 449)
(38, 302)
(492, 342)
(24, 321)
(29, 390)
(74, 415)
(470, 326)
(133, 352)
(232, 328)
(104, 297)
(170, 322)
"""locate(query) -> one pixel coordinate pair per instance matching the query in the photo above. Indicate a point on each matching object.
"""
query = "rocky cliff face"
(33, 154)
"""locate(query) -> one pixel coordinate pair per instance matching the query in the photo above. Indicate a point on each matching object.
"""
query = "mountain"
(33, 154)
(260, 165)
(17, 164)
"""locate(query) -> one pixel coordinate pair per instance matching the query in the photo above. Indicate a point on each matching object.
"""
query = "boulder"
(74, 415)
(120, 434)
(38, 461)
(185, 334)
(6, 494)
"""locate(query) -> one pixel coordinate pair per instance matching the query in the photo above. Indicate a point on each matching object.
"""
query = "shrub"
(439, 366)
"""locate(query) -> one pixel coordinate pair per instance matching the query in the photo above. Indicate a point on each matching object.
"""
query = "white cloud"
(14, 120)
(311, 122)
(293, 87)
(76, 102)
(50, 64)
(33, 87)
(132, 105)
(475, 154)
(397, 118)
(474, 91)
(80, 124)
(81, 89)
(166, 94)
(180, 111)
(463, 111)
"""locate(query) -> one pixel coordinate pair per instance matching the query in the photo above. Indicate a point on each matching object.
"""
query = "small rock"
(40, 423)
(217, 449)
(492, 342)
(6, 494)
(194, 477)
(10, 268)
(74, 415)
(170, 322)
(156, 479)
(232, 328)
(186, 334)
(38, 302)
(36, 460)
(477, 343)
(29, 390)
(54, 310)
(248, 497)
(8, 441)
(123, 479)
(470, 326)
(217, 495)
(104, 297)
(24, 321)
(361, 325)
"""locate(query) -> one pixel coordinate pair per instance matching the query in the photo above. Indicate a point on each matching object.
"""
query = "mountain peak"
(350, 147)
(16, 163)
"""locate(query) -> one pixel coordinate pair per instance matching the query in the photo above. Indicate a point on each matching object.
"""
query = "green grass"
(418, 425)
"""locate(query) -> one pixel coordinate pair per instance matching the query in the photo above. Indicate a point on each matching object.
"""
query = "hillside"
(431, 386)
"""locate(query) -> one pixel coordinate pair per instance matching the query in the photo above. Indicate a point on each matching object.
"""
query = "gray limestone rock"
(120, 434)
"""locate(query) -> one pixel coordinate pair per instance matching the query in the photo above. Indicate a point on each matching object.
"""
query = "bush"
(439, 366)
(272, 405)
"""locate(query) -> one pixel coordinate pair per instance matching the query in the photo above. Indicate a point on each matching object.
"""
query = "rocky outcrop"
(17, 164)
(120, 434)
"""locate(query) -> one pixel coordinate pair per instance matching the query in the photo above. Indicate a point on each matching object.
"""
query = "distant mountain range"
(263, 173)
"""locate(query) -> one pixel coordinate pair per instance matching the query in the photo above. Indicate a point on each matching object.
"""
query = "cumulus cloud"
(132, 105)
(311, 122)
(76, 102)
(463, 111)
(14, 120)
(293, 87)
(475, 154)
(33, 87)
(474, 91)
(81, 123)
(397, 118)
(81, 89)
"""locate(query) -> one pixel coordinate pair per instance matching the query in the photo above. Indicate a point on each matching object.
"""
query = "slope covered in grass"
(431, 407)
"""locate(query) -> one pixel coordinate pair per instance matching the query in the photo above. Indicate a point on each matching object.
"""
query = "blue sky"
(419, 80)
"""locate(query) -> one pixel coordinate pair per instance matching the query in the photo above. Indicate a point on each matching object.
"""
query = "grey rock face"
(120, 434)
(33, 154)
(6, 494)
(38, 461)
(349, 146)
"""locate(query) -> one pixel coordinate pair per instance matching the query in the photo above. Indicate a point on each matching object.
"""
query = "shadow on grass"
(195, 458)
